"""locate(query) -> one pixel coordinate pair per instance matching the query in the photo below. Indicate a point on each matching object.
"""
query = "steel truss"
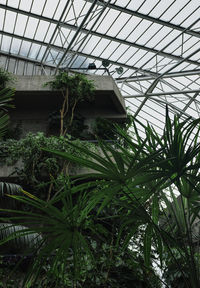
(166, 73)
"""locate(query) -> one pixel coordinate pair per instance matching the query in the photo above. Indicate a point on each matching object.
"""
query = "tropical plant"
(74, 243)
(180, 220)
(141, 176)
(106, 130)
(18, 243)
(5, 77)
(133, 181)
(37, 169)
(6, 97)
(74, 89)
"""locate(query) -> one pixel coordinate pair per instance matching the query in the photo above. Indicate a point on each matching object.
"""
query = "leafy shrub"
(36, 167)
(74, 89)
(5, 77)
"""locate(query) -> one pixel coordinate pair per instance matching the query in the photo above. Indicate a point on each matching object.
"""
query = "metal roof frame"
(160, 54)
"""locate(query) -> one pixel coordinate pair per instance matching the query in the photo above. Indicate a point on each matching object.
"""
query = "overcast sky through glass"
(156, 42)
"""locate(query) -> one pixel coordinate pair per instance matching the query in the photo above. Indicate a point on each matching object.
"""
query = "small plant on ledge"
(75, 89)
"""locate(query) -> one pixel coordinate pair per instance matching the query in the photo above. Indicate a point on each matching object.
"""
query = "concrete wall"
(34, 102)
(104, 85)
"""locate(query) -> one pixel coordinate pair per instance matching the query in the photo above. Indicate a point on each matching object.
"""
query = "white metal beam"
(163, 93)
(77, 33)
(151, 19)
(168, 75)
(73, 52)
(100, 35)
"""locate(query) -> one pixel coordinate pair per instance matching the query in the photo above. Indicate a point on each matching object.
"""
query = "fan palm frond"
(4, 120)
(18, 239)
(6, 97)
(8, 189)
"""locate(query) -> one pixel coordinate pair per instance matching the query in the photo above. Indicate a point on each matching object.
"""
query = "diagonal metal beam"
(163, 105)
(153, 85)
(29, 14)
(115, 7)
(55, 30)
(25, 59)
(88, 32)
(151, 19)
(189, 103)
(163, 93)
(138, 46)
(181, 112)
(16, 56)
(77, 32)
(58, 48)
(176, 89)
(23, 38)
(100, 35)
(148, 78)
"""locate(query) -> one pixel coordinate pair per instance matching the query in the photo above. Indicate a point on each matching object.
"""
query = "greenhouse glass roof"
(152, 47)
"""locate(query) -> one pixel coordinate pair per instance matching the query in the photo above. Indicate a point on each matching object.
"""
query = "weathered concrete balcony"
(34, 102)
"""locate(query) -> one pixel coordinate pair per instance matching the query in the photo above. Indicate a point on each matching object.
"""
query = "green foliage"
(37, 167)
(107, 130)
(78, 130)
(173, 273)
(4, 120)
(64, 229)
(13, 131)
(107, 222)
(5, 190)
(5, 77)
(80, 88)
(6, 96)
(74, 89)
(137, 178)
(76, 252)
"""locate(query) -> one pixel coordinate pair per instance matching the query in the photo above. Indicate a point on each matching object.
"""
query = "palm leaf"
(8, 189)
(6, 97)
(147, 245)
(64, 229)
(4, 120)
(19, 239)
